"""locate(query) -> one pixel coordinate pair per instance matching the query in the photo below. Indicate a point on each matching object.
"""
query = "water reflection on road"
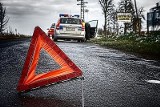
(112, 78)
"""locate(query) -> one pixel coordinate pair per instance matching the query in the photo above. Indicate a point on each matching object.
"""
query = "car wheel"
(83, 40)
(68, 39)
(55, 39)
(78, 40)
(52, 37)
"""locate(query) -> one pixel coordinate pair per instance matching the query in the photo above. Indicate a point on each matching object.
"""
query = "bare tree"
(105, 4)
(112, 22)
(127, 6)
(3, 18)
(140, 17)
(141, 13)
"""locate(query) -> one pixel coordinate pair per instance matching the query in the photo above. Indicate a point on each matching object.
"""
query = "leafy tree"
(3, 18)
(106, 8)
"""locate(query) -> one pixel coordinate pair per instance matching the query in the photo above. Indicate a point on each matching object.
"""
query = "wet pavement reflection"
(112, 78)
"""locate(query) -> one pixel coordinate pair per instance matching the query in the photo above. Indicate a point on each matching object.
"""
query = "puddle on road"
(153, 81)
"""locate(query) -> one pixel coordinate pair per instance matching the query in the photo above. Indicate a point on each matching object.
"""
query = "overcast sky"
(26, 14)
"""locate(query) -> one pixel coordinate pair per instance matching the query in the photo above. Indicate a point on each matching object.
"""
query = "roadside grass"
(13, 36)
(146, 46)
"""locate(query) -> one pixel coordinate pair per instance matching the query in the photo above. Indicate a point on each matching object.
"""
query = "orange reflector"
(29, 79)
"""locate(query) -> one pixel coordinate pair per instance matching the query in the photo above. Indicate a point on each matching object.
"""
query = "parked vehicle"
(51, 31)
(72, 27)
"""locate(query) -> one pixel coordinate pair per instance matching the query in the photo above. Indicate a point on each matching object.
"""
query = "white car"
(70, 27)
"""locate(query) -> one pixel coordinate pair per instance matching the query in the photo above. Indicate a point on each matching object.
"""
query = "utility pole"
(82, 6)
(138, 20)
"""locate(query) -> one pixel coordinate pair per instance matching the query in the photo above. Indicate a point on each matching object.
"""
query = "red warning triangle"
(29, 79)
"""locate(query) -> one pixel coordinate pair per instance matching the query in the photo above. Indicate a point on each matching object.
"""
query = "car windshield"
(70, 21)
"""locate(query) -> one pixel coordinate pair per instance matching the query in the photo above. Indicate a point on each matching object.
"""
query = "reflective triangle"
(29, 79)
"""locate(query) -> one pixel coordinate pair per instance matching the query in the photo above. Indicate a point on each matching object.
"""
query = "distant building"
(156, 8)
(153, 18)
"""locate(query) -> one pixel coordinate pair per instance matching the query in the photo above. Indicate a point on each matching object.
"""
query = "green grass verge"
(149, 49)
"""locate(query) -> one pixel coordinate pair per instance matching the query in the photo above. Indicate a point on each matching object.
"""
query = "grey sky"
(26, 14)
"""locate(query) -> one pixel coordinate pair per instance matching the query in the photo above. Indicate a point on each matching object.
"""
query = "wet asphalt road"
(112, 78)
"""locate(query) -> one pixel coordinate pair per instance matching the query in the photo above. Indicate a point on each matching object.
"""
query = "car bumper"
(69, 36)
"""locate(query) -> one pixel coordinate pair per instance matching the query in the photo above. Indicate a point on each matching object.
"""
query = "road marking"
(153, 81)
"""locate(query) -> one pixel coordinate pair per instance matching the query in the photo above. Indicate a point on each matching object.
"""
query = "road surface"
(112, 78)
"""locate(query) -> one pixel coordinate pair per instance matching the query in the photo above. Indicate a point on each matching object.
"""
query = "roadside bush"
(143, 45)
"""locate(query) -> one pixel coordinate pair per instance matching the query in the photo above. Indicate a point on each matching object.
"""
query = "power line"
(82, 4)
